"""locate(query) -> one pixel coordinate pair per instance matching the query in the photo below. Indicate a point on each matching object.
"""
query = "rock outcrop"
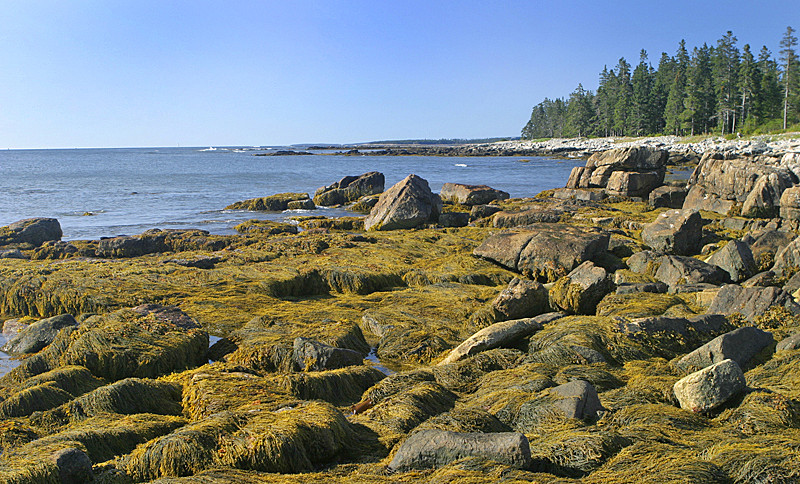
(751, 302)
(349, 189)
(30, 231)
(630, 172)
(470, 194)
(408, 204)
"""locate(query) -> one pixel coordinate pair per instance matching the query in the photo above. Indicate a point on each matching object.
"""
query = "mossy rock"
(272, 203)
(339, 223)
(265, 227)
(643, 304)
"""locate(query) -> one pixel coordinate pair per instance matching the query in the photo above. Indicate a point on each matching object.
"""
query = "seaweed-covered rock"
(31, 231)
(675, 231)
(676, 269)
(471, 194)
(408, 204)
(522, 298)
(579, 291)
(710, 387)
(751, 302)
(667, 196)
(577, 399)
(435, 448)
(736, 259)
(544, 251)
(349, 189)
(739, 345)
(272, 203)
(167, 314)
(74, 466)
(766, 245)
(644, 262)
(265, 227)
(311, 355)
(38, 335)
(790, 203)
(498, 335)
(483, 211)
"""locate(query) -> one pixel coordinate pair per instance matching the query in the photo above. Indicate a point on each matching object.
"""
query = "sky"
(126, 73)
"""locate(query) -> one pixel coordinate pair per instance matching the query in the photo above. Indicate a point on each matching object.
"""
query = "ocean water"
(107, 192)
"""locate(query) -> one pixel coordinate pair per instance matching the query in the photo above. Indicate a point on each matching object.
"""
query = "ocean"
(107, 192)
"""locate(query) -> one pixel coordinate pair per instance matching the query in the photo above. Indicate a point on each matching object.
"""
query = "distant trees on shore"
(712, 89)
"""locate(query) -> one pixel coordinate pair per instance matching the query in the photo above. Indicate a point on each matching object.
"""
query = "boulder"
(306, 204)
(482, 211)
(522, 298)
(764, 199)
(601, 167)
(579, 291)
(751, 302)
(349, 189)
(583, 194)
(790, 343)
(544, 252)
(653, 326)
(675, 231)
(74, 466)
(12, 254)
(710, 387)
(471, 194)
(736, 259)
(454, 219)
(167, 314)
(506, 333)
(766, 245)
(633, 184)
(38, 335)
(408, 204)
(272, 203)
(787, 261)
(739, 345)
(667, 196)
(311, 355)
(644, 261)
(526, 217)
(677, 269)
(436, 448)
(33, 231)
(576, 399)
(790, 203)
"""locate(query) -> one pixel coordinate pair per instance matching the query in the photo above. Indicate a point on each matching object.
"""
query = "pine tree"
(642, 83)
(661, 85)
(624, 99)
(726, 68)
(604, 102)
(749, 84)
(580, 114)
(769, 101)
(673, 111)
(790, 70)
(700, 102)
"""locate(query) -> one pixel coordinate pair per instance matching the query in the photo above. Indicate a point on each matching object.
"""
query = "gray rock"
(483, 211)
(12, 254)
(306, 204)
(33, 231)
(602, 167)
(736, 259)
(544, 251)
(710, 387)
(792, 285)
(751, 302)
(703, 324)
(667, 196)
(644, 262)
(311, 355)
(408, 204)
(694, 287)
(471, 194)
(585, 194)
(74, 466)
(766, 245)
(788, 259)
(454, 219)
(790, 343)
(634, 288)
(764, 199)
(764, 279)
(579, 291)
(436, 448)
(349, 189)
(790, 203)
(577, 399)
(676, 269)
(633, 184)
(675, 231)
(522, 298)
(506, 333)
(739, 345)
(38, 335)
(526, 217)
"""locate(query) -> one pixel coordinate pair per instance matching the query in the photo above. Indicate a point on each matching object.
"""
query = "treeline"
(442, 141)
(713, 89)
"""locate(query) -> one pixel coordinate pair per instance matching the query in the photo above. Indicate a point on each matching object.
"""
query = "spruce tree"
(749, 84)
(700, 101)
(642, 84)
(790, 71)
(624, 99)
(580, 114)
(769, 101)
(673, 111)
(661, 84)
(726, 69)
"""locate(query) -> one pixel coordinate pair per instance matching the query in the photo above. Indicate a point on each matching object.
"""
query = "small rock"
(710, 387)
(577, 399)
(736, 259)
(33, 231)
(633, 288)
(12, 254)
(311, 355)
(675, 231)
(739, 345)
(38, 335)
(522, 298)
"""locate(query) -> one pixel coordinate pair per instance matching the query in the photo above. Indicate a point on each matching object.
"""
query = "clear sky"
(108, 73)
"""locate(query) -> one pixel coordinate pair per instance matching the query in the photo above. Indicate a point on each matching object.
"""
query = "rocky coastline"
(623, 328)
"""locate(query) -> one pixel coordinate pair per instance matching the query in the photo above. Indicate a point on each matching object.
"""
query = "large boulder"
(736, 259)
(751, 302)
(408, 204)
(739, 345)
(632, 171)
(579, 291)
(349, 189)
(790, 203)
(544, 251)
(787, 261)
(33, 231)
(675, 231)
(667, 196)
(38, 335)
(633, 184)
(710, 387)
(677, 269)
(522, 298)
(765, 198)
(470, 194)
(436, 448)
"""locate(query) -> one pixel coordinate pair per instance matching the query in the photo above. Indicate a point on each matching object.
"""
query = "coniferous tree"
(661, 85)
(769, 101)
(642, 84)
(624, 99)
(726, 68)
(749, 84)
(673, 111)
(580, 114)
(604, 102)
(700, 102)
(790, 72)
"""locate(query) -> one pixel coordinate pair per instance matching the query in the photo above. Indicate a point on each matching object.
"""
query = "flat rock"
(471, 194)
(676, 270)
(710, 387)
(167, 314)
(675, 232)
(544, 252)
(408, 204)
(736, 259)
(751, 302)
(436, 448)
(526, 217)
(38, 335)
(739, 345)
(704, 324)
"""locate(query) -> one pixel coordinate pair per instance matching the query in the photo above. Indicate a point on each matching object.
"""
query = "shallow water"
(107, 192)
(6, 362)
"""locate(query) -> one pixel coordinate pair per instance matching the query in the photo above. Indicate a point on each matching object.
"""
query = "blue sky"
(109, 73)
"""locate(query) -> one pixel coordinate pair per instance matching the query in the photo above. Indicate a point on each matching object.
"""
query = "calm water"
(130, 190)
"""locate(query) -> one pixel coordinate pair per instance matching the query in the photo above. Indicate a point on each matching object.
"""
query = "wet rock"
(667, 196)
(349, 189)
(522, 298)
(311, 355)
(677, 270)
(33, 231)
(736, 259)
(506, 333)
(544, 251)
(675, 231)
(739, 345)
(483, 211)
(751, 302)
(38, 335)
(408, 204)
(579, 291)
(710, 387)
(273, 203)
(74, 466)
(12, 254)
(306, 204)
(167, 314)
(454, 219)
(471, 194)
(436, 448)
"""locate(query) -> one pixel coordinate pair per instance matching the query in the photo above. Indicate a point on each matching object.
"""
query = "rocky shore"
(619, 329)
